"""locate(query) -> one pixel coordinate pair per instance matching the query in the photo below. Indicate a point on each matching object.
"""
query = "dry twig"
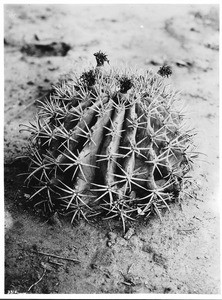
(37, 281)
(57, 256)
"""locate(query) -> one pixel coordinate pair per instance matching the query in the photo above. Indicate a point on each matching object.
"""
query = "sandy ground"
(181, 255)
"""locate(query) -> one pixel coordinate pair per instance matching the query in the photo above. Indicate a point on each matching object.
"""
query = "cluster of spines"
(109, 143)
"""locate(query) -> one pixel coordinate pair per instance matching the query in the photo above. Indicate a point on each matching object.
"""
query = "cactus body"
(109, 142)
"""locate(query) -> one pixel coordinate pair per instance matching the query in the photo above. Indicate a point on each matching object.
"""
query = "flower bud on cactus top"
(109, 143)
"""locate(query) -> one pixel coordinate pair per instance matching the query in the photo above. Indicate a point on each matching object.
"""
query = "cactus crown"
(109, 151)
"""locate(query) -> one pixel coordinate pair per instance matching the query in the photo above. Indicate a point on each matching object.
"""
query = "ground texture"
(179, 255)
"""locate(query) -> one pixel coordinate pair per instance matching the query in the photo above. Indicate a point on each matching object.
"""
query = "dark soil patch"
(52, 49)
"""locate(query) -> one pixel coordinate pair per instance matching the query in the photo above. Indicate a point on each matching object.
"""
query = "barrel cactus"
(109, 142)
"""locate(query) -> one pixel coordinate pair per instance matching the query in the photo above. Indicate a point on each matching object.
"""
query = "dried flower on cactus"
(101, 58)
(125, 84)
(88, 78)
(118, 150)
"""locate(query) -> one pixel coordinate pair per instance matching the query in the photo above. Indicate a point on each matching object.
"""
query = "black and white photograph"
(111, 150)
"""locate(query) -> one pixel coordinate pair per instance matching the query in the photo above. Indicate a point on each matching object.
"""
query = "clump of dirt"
(51, 49)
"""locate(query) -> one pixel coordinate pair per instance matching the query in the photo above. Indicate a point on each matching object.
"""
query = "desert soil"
(179, 255)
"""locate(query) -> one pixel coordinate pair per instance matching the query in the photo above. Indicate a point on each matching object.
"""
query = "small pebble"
(111, 238)
(129, 233)
(111, 235)
(109, 244)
